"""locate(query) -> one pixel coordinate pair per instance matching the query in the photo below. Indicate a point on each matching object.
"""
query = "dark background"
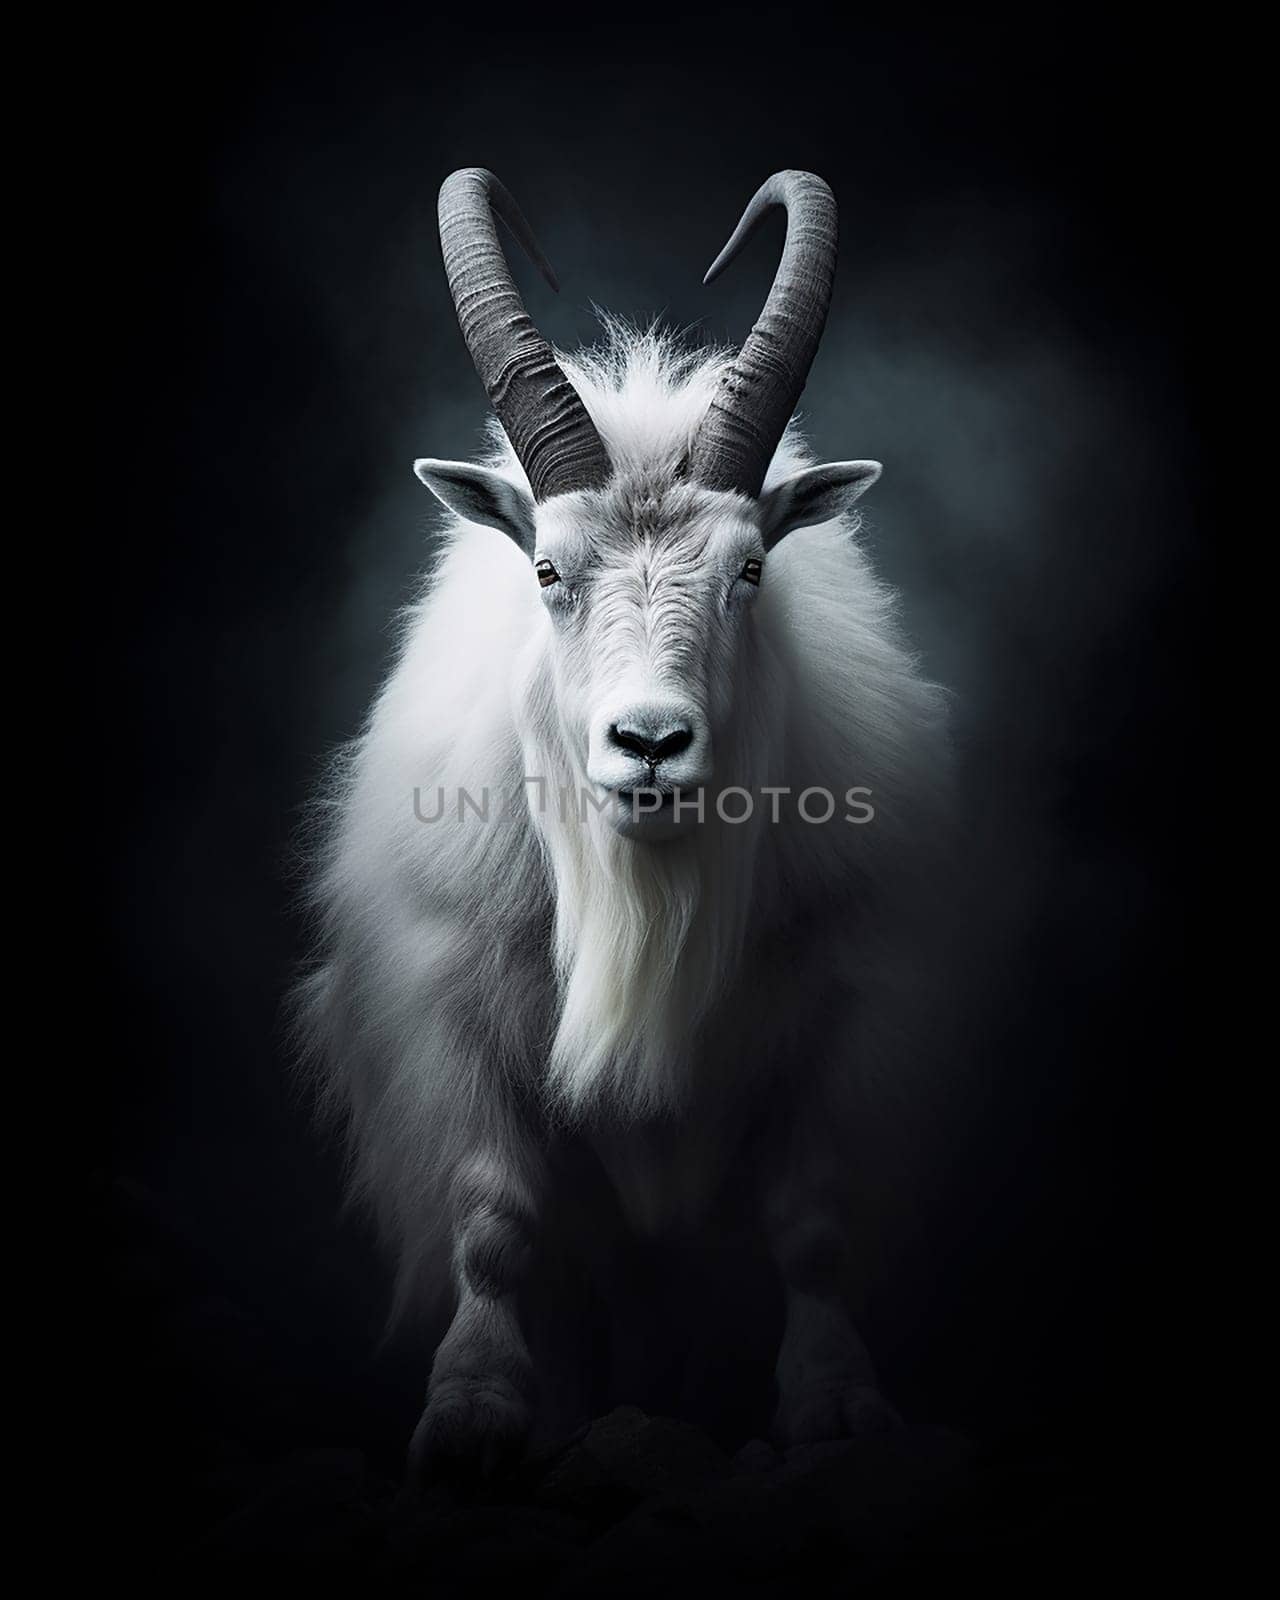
(1007, 337)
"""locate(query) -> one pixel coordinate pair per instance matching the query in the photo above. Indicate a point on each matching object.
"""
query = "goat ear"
(478, 494)
(818, 494)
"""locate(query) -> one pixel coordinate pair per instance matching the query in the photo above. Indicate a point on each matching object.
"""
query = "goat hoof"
(472, 1430)
(833, 1412)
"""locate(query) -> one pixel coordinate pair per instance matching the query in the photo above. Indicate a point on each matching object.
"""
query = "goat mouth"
(647, 813)
(651, 804)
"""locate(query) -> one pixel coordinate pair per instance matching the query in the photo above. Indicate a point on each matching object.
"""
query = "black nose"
(653, 746)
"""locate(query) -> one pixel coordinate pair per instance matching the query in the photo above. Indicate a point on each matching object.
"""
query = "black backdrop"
(1006, 336)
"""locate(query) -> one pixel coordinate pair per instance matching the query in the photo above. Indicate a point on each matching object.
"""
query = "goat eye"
(751, 572)
(547, 574)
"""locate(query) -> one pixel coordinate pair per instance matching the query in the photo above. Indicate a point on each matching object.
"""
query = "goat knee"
(492, 1251)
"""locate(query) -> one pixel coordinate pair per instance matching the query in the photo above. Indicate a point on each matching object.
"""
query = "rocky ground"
(642, 1505)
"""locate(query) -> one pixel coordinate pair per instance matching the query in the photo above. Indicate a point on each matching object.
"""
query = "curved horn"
(758, 394)
(544, 417)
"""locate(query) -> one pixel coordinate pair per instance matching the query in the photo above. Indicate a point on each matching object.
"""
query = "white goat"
(595, 876)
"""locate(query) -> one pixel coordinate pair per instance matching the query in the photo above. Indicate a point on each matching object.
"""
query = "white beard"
(647, 938)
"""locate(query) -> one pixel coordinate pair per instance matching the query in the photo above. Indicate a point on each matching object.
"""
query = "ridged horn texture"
(544, 417)
(759, 392)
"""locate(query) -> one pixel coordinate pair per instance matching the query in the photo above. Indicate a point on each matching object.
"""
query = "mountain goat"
(627, 870)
